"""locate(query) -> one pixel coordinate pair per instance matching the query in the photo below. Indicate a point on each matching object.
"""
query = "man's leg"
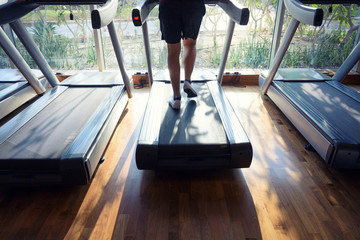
(189, 56)
(189, 62)
(174, 67)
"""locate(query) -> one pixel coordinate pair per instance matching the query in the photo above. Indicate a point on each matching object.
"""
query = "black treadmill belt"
(336, 114)
(194, 130)
(53, 129)
(198, 121)
(204, 134)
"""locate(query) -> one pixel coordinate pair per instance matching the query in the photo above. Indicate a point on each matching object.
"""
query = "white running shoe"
(175, 103)
(189, 89)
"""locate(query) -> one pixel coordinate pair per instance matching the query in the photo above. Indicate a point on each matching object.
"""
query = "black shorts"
(180, 20)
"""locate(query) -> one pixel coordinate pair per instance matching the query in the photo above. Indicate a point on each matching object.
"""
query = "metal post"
(349, 63)
(34, 51)
(357, 40)
(280, 54)
(229, 35)
(10, 35)
(147, 50)
(119, 57)
(279, 21)
(98, 46)
(20, 63)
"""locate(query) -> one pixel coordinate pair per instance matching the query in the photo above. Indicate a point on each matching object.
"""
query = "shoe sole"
(174, 106)
(190, 93)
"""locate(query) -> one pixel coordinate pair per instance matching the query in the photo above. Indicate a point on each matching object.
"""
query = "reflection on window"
(65, 37)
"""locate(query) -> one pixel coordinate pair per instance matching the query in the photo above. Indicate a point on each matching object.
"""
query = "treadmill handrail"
(310, 16)
(348, 64)
(65, 2)
(141, 12)
(237, 13)
(15, 9)
(305, 14)
(330, 1)
(20, 63)
(103, 15)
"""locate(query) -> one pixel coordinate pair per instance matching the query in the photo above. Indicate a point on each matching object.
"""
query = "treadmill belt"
(204, 134)
(196, 128)
(334, 113)
(191, 124)
(53, 129)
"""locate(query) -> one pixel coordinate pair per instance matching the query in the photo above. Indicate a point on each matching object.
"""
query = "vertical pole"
(10, 35)
(147, 50)
(20, 63)
(279, 21)
(119, 57)
(34, 51)
(349, 63)
(229, 35)
(98, 46)
(280, 54)
(357, 40)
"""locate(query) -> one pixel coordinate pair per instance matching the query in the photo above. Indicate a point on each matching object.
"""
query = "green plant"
(330, 50)
(91, 57)
(255, 53)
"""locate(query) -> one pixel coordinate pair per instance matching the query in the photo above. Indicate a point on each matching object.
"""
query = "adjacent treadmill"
(325, 111)
(205, 133)
(61, 137)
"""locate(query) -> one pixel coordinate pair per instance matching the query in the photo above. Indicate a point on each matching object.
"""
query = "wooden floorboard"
(287, 193)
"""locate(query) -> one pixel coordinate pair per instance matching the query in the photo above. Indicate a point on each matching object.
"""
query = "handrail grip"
(14, 9)
(238, 14)
(303, 13)
(102, 16)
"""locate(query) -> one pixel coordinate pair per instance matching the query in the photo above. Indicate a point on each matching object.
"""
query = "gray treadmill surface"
(326, 112)
(14, 75)
(299, 74)
(12, 79)
(5, 85)
(44, 145)
(93, 79)
(52, 130)
(15, 89)
(190, 125)
(204, 134)
(323, 104)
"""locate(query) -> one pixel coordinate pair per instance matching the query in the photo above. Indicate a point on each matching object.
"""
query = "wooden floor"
(287, 193)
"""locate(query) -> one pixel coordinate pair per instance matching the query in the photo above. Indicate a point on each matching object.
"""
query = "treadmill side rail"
(147, 147)
(87, 137)
(241, 149)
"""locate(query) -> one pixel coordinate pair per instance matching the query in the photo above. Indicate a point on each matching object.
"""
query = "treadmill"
(60, 138)
(205, 133)
(325, 111)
